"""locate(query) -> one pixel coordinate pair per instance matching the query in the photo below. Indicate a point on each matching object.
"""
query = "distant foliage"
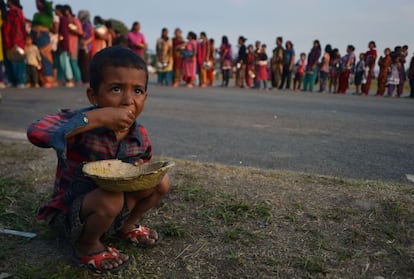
(120, 26)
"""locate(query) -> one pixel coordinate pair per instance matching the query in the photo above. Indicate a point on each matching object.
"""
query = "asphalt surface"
(341, 135)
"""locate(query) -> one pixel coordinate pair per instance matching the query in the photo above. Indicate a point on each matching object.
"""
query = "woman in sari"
(41, 25)
(75, 32)
(250, 66)
(190, 59)
(101, 35)
(178, 45)
(226, 57)
(211, 70)
(86, 42)
(14, 40)
(311, 69)
(347, 62)
(384, 64)
(370, 58)
(203, 55)
(164, 58)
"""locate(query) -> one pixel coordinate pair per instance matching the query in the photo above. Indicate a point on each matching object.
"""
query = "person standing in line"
(85, 44)
(164, 56)
(203, 55)
(226, 58)
(211, 71)
(42, 24)
(33, 62)
(410, 76)
(347, 62)
(370, 59)
(190, 60)
(403, 53)
(288, 63)
(262, 73)
(178, 44)
(384, 64)
(257, 50)
(75, 32)
(311, 70)
(393, 79)
(14, 31)
(3, 15)
(100, 35)
(324, 68)
(250, 67)
(276, 63)
(241, 62)
(299, 72)
(64, 46)
(334, 69)
(111, 33)
(136, 40)
(360, 74)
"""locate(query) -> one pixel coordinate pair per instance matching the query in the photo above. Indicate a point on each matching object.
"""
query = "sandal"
(141, 236)
(94, 261)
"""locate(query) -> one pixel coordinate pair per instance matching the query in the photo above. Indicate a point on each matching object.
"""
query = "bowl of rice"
(117, 176)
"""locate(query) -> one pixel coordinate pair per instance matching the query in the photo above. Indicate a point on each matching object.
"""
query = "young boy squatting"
(79, 210)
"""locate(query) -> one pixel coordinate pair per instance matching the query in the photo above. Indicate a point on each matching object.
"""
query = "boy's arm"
(54, 130)
(51, 130)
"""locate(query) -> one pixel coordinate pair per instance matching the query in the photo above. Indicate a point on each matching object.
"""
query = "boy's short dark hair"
(116, 56)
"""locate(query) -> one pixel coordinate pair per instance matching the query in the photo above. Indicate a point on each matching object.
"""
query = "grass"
(226, 222)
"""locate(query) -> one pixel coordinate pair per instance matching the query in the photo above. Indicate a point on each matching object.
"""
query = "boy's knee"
(104, 203)
(164, 186)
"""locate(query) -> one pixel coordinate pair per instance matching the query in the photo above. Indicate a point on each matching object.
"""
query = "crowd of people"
(194, 62)
(56, 46)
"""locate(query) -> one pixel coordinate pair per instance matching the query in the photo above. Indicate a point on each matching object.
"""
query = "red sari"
(370, 58)
(190, 61)
(347, 62)
(250, 73)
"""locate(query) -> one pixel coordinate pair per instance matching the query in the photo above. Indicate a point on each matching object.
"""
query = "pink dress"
(135, 38)
(190, 61)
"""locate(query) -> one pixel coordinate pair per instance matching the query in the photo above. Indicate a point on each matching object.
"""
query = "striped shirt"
(74, 152)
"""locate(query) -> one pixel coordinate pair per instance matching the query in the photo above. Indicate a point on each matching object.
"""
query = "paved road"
(347, 136)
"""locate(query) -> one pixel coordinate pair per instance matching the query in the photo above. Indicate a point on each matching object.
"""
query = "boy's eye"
(116, 89)
(138, 91)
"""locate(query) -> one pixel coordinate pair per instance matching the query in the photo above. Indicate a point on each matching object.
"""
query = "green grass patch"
(216, 225)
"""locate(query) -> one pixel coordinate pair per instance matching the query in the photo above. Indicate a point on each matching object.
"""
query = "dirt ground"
(225, 222)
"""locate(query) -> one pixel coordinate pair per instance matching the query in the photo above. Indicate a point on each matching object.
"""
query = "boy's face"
(121, 87)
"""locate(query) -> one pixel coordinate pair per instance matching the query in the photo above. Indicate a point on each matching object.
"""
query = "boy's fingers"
(139, 162)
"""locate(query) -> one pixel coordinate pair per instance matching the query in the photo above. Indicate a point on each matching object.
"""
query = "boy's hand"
(117, 119)
(139, 162)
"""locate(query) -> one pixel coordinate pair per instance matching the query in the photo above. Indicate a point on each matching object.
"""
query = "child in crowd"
(393, 79)
(262, 73)
(79, 211)
(299, 72)
(359, 74)
(33, 62)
